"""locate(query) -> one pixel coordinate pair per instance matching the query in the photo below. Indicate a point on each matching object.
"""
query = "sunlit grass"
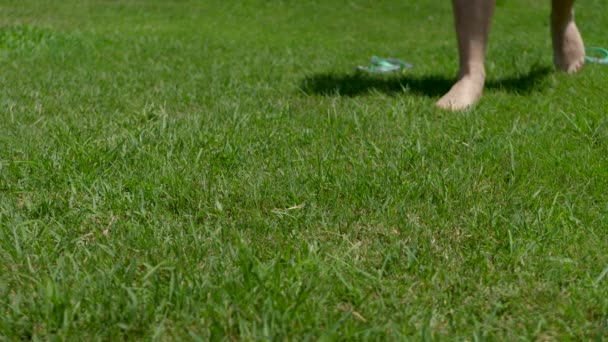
(218, 170)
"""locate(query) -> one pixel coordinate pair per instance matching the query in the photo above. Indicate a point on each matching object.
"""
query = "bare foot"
(568, 48)
(463, 94)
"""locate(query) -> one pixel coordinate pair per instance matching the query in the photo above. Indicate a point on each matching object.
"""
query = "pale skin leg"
(568, 47)
(473, 18)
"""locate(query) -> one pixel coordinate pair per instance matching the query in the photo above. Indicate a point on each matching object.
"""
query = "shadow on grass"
(355, 84)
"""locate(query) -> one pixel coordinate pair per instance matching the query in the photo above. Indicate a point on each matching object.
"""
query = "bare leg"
(472, 19)
(568, 47)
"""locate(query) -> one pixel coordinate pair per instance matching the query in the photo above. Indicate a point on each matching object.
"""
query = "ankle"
(473, 72)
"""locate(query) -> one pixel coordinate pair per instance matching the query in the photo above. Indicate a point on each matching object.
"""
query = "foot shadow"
(356, 84)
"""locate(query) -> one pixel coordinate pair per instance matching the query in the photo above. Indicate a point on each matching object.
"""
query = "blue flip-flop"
(384, 65)
(596, 51)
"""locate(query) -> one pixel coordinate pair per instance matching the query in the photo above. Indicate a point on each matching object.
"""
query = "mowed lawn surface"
(218, 170)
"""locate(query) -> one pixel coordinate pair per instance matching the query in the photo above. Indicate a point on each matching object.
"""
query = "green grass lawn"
(218, 170)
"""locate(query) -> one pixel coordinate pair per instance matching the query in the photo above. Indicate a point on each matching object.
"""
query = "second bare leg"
(568, 48)
(472, 19)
